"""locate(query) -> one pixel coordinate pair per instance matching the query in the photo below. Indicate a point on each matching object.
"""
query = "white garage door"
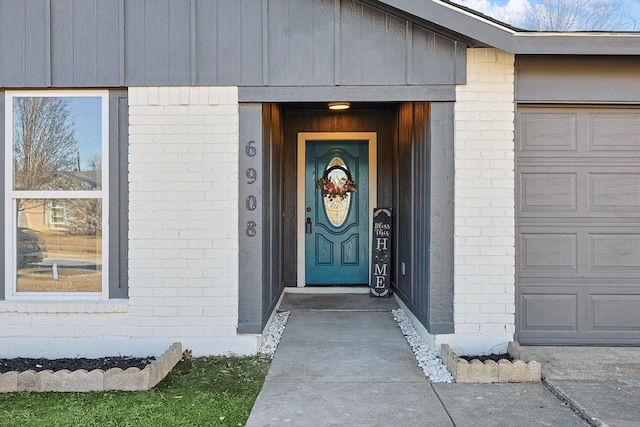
(578, 225)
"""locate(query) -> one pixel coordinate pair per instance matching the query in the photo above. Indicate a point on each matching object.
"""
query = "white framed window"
(56, 194)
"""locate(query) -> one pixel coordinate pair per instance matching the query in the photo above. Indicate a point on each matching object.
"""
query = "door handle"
(307, 226)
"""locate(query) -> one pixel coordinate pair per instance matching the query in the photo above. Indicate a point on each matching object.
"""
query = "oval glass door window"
(337, 208)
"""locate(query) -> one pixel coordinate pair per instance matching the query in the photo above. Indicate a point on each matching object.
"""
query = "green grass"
(211, 391)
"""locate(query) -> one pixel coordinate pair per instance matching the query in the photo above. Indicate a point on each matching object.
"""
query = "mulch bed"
(105, 363)
(494, 357)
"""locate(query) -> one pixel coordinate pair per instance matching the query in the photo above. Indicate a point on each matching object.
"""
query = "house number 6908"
(251, 203)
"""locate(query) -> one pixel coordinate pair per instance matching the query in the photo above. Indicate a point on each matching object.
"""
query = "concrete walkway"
(601, 383)
(342, 361)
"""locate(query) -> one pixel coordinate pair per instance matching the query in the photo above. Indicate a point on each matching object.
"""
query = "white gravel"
(271, 340)
(428, 360)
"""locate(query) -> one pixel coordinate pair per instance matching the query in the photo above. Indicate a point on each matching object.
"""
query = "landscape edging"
(504, 371)
(81, 380)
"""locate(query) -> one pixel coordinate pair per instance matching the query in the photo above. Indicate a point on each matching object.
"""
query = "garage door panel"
(578, 133)
(614, 132)
(578, 191)
(619, 313)
(549, 312)
(615, 254)
(548, 132)
(614, 192)
(548, 192)
(548, 254)
(589, 251)
(599, 313)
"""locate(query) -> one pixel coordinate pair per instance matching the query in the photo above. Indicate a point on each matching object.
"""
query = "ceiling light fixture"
(339, 105)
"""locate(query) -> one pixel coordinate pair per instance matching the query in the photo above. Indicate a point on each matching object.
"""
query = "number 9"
(252, 174)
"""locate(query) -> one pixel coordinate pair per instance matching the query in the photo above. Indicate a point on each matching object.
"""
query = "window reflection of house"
(58, 214)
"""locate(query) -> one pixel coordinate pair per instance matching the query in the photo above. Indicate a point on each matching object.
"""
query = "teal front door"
(336, 223)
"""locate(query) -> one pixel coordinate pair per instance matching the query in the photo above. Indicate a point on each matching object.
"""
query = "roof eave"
(541, 43)
(481, 32)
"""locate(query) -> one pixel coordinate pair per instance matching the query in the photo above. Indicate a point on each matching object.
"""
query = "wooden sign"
(380, 284)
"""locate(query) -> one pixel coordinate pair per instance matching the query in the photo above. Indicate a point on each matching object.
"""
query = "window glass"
(61, 256)
(337, 208)
(57, 143)
(57, 197)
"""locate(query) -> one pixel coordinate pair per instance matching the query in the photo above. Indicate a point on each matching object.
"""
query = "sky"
(87, 119)
(498, 9)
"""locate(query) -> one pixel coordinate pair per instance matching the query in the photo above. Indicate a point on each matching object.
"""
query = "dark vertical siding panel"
(85, 48)
(373, 40)
(84, 59)
(13, 28)
(395, 61)
(107, 51)
(252, 255)
(272, 284)
(351, 49)
(461, 64)
(441, 217)
(421, 208)
(278, 41)
(277, 178)
(301, 49)
(268, 257)
(134, 58)
(324, 40)
(2, 184)
(422, 56)
(444, 60)
(403, 202)
(251, 54)
(229, 40)
(206, 42)
(37, 49)
(118, 194)
(62, 43)
(156, 42)
(179, 43)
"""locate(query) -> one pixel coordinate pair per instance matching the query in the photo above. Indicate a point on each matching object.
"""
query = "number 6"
(250, 149)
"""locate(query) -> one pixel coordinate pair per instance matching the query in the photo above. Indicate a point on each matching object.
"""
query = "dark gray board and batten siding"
(275, 51)
(121, 43)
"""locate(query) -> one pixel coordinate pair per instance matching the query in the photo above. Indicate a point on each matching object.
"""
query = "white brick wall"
(183, 241)
(484, 257)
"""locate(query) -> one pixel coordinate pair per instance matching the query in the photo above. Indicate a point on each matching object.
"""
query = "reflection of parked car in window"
(29, 250)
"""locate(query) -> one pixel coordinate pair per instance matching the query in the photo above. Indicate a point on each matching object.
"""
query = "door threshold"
(327, 290)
